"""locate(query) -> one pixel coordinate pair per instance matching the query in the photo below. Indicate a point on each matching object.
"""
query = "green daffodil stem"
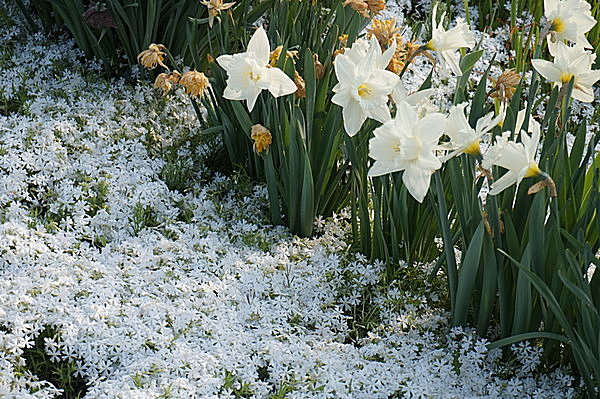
(412, 57)
(447, 238)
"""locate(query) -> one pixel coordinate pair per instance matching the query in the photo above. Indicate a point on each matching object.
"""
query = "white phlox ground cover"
(159, 294)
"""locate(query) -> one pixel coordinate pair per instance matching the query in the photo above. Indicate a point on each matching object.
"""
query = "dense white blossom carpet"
(151, 292)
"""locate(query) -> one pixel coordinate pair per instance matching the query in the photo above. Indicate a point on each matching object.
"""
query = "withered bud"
(261, 137)
(505, 85)
(319, 68)
(300, 85)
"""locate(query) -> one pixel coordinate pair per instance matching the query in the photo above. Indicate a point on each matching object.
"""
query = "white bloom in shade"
(569, 20)
(249, 73)
(517, 158)
(446, 42)
(363, 84)
(570, 62)
(463, 138)
(407, 143)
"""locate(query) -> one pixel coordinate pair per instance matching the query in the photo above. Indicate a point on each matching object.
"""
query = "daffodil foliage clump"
(131, 272)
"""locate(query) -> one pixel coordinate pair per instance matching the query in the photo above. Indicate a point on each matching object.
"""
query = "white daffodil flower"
(517, 158)
(363, 84)
(249, 73)
(463, 138)
(570, 62)
(400, 94)
(446, 42)
(569, 20)
(407, 143)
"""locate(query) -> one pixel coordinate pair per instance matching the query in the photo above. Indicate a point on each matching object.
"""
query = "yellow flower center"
(566, 77)
(252, 76)
(473, 148)
(430, 45)
(363, 90)
(557, 25)
(533, 170)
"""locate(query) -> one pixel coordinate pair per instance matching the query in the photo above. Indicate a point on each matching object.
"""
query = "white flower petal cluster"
(570, 62)
(364, 84)
(407, 143)
(569, 20)
(518, 158)
(463, 138)
(446, 42)
(249, 73)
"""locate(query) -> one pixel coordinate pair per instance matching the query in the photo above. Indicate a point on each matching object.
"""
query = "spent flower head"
(275, 54)
(153, 56)
(214, 9)
(166, 81)
(261, 137)
(505, 85)
(385, 30)
(195, 83)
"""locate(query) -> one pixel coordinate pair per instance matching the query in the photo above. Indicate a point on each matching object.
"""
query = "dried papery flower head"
(343, 39)
(153, 56)
(166, 81)
(275, 54)
(261, 137)
(319, 68)
(385, 31)
(299, 81)
(405, 53)
(376, 6)
(195, 83)
(505, 85)
(359, 6)
(214, 9)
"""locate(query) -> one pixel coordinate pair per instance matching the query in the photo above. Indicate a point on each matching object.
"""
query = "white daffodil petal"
(417, 182)
(226, 62)
(507, 180)
(354, 117)
(547, 69)
(279, 83)
(259, 47)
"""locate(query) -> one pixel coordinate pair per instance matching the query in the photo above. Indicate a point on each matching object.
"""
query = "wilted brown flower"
(405, 52)
(359, 6)
(275, 54)
(385, 31)
(299, 81)
(344, 41)
(376, 6)
(166, 81)
(214, 9)
(319, 68)
(153, 56)
(194, 82)
(505, 85)
(261, 137)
